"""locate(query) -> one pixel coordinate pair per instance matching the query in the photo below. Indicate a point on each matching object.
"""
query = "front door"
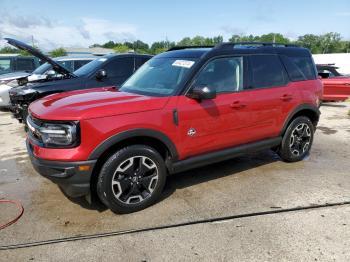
(214, 124)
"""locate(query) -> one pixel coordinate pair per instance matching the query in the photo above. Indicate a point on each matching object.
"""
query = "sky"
(78, 23)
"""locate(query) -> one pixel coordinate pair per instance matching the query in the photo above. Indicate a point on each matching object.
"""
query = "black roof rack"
(230, 45)
(254, 44)
(190, 46)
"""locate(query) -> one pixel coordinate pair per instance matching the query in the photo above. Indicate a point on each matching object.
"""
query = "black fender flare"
(134, 133)
(298, 109)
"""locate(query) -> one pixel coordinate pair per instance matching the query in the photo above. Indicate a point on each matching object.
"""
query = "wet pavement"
(254, 183)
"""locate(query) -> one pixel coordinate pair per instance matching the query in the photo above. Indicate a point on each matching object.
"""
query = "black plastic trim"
(71, 180)
(221, 155)
(297, 110)
(134, 133)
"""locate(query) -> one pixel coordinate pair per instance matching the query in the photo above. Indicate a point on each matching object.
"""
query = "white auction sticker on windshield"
(102, 59)
(183, 63)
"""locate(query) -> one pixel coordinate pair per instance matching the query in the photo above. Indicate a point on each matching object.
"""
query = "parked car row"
(184, 108)
(108, 70)
(43, 72)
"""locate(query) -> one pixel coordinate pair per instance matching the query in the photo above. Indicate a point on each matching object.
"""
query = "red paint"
(336, 88)
(229, 119)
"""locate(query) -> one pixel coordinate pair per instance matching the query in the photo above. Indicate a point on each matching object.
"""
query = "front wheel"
(297, 140)
(132, 179)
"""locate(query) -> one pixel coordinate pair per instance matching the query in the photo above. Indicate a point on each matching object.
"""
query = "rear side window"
(120, 67)
(294, 72)
(25, 64)
(267, 71)
(306, 65)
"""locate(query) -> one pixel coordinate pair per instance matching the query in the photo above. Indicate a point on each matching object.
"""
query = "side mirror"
(202, 93)
(324, 75)
(100, 74)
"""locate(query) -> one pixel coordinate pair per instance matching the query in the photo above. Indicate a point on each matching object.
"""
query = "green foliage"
(58, 52)
(121, 48)
(9, 50)
(200, 41)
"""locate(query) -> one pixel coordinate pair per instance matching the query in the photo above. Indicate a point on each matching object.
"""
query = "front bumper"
(67, 175)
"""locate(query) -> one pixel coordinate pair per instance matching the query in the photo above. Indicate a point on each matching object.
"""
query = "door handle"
(237, 105)
(286, 97)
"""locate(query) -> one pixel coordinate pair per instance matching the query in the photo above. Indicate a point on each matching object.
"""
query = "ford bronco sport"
(185, 108)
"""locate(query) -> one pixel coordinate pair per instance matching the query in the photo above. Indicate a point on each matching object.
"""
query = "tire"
(132, 179)
(297, 140)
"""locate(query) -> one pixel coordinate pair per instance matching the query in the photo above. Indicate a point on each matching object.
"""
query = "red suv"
(185, 108)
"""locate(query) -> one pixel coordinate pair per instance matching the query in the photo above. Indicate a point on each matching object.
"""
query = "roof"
(237, 48)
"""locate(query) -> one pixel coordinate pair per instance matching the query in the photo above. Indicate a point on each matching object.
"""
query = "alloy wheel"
(135, 179)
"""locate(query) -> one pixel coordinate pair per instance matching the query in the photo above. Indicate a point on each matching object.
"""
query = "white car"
(45, 71)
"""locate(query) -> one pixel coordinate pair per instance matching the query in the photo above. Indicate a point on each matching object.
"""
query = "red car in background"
(336, 87)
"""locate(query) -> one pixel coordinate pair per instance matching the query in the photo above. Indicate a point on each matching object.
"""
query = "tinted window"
(267, 71)
(5, 65)
(91, 67)
(80, 63)
(67, 65)
(139, 61)
(25, 64)
(223, 74)
(120, 67)
(294, 72)
(306, 65)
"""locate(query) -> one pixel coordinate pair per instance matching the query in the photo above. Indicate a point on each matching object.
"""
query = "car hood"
(56, 66)
(12, 76)
(93, 103)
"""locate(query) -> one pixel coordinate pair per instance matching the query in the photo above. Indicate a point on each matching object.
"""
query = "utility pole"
(32, 40)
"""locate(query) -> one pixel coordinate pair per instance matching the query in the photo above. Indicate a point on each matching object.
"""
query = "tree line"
(331, 42)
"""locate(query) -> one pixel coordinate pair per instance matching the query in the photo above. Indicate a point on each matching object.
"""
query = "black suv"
(109, 70)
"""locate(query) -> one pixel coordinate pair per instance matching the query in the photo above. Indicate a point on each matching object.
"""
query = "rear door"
(271, 96)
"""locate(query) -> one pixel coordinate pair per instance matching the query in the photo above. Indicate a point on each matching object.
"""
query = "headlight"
(55, 134)
(58, 134)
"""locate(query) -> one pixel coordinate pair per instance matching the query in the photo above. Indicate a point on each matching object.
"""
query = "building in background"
(71, 51)
(340, 60)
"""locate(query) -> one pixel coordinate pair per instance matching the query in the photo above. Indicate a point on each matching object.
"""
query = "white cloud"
(51, 34)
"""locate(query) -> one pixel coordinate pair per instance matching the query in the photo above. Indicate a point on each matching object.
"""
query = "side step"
(217, 156)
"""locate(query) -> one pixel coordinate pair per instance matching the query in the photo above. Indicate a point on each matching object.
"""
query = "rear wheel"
(132, 179)
(297, 140)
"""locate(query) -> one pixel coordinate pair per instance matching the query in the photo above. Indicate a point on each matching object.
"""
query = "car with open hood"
(108, 70)
(43, 73)
(336, 87)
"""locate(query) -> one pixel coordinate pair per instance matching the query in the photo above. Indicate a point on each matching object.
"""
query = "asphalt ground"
(251, 208)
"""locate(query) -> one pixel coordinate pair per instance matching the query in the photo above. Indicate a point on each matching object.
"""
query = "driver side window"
(225, 75)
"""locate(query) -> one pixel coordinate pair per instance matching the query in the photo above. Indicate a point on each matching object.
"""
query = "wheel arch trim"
(297, 110)
(134, 133)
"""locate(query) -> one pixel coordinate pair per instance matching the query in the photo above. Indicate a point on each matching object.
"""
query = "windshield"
(90, 67)
(159, 77)
(42, 69)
